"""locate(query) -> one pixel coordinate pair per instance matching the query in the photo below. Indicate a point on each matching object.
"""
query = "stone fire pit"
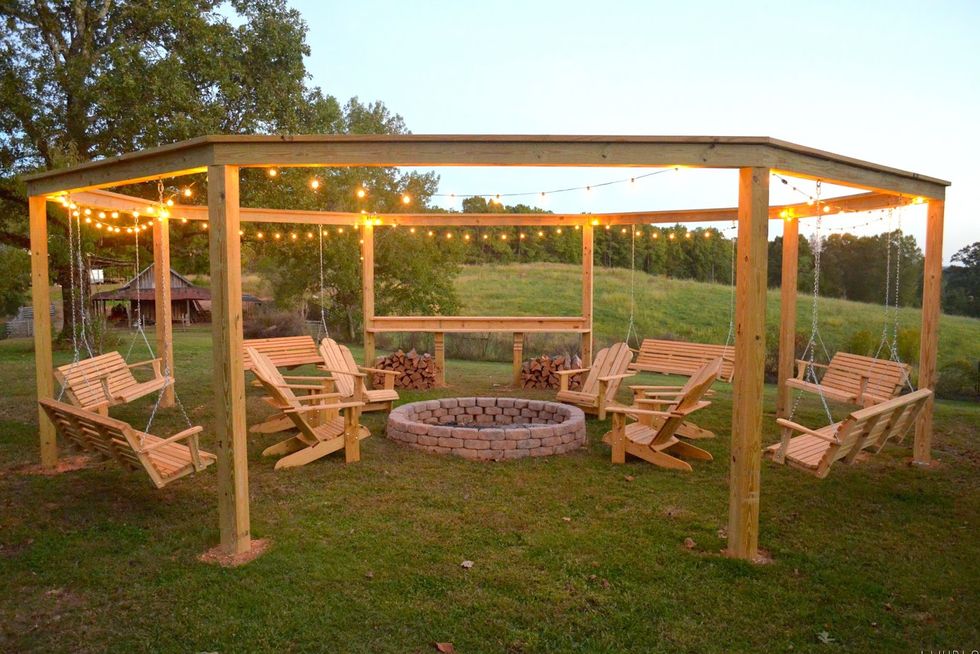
(489, 428)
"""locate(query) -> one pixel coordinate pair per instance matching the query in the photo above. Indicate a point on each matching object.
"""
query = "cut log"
(418, 370)
(542, 372)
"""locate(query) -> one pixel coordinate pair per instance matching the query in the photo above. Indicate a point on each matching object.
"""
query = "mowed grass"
(571, 553)
(680, 308)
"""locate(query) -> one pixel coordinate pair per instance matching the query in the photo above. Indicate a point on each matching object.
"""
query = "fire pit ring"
(488, 428)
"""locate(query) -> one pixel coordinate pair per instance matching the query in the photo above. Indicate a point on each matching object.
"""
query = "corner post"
(439, 345)
(367, 290)
(750, 352)
(164, 319)
(787, 314)
(587, 261)
(229, 374)
(932, 276)
(41, 301)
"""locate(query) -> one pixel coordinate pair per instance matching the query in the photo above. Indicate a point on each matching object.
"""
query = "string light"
(496, 197)
(406, 199)
(360, 193)
(272, 172)
(188, 192)
(315, 184)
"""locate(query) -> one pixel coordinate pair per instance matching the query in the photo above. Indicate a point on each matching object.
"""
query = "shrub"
(908, 345)
(958, 380)
(272, 323)
(861, 342)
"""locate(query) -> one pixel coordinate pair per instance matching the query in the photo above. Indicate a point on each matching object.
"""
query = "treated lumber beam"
(463, 324)
(750, 354)
(367, 291)
(932, 277)
(787, 315)
(41, 302)
(587, 292)
(164, 320)
(229, 377)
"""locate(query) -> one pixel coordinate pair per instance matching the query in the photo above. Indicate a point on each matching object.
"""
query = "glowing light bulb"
(360, 193)
(558, 231)
(314, 184)
(412, 230)
(170, 202)
(259, 235)
(272, 172)
(523, 236)
(595, 222)
(826, 209)
(309, 234)
(340, 230)
(918, 200)
(114, 214)
(541, 232)
(183, 220)
(406, 199)
(431, 233)
(672, 236)
(102, 215)
(449, 235)
(188, 192)
(294, 236)
(622, 231)
(88, 212)
(241, 232)
(486, 236)
(277, 236)
(466, 237)
(88, 220)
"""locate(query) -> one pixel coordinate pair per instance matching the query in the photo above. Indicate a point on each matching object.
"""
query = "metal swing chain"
(81, 302)
(731, 295)
(888, 281)
(809, 351)
(323, 292)
(631, 327)
(898, 275)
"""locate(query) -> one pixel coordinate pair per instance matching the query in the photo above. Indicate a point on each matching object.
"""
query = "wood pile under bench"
(542, 372)
(419, 371)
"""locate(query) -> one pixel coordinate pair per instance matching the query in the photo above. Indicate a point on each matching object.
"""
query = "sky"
(895, 83)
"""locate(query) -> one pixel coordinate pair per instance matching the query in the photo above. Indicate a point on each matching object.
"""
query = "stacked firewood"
(542, 372)
(418, 370)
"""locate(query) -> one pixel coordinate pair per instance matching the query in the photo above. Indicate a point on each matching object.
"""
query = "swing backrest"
(873, 426)
(609, 361)
(84, 380)
(683, 358)
(337, 357)
(271, 378)
(284, 352)
(846, 371)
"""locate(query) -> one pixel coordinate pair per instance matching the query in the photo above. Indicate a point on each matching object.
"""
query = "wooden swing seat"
(163, 459)
(107, 380)
(600, 386)
(322, 427)
(653, 435)
(815, 450)
(854, 379)
(683, 358)
(348, 376)
(283, 352)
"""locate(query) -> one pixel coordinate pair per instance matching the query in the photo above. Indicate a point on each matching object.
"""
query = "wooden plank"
(463, 324)
(41, 301)
(587, 291)
(518, 358)
(164, 319)
(367, 291)
(932, 276)
(750, 352)
(787, 316)
(440, 355)
(229, 375)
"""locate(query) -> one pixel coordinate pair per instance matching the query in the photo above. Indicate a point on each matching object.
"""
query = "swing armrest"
(324, 407)
(789, 424)
(801, 365)
(192, 431)
(153, 362)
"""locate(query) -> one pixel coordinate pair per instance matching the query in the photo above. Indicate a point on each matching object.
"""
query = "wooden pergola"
(221, 158)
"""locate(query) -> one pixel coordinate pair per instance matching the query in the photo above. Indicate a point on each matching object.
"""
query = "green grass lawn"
(570, 553)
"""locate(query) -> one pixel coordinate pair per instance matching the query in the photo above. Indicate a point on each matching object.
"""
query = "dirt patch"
(217, 556)
(65, 464)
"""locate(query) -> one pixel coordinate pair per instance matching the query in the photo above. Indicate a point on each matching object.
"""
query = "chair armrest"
(653, 389)
(632, 410)
(301, 377)
(176, 437)
(562, 373)
(324, 407)
(789, 424)
(342, 372)
(308, 387)
(609, 378)
(317, 396)
(395, 373)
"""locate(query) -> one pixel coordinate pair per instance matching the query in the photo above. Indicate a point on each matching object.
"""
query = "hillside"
(678, 308)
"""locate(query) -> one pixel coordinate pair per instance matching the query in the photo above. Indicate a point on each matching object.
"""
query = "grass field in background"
(571, 553)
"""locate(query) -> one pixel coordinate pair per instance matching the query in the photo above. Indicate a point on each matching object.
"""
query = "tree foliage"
(961, 287)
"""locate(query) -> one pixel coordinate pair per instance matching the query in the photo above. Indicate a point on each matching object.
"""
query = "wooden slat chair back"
(602, 382)
(284, 351)
(348, 377)
(683, 358)
(653, 435)
(855, 379)
(337, 429)
(107, 380)
(815, 450)
(163, 459)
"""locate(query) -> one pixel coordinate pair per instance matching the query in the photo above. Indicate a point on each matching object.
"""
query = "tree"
(84, 79)
(961, 287)
(15, 278)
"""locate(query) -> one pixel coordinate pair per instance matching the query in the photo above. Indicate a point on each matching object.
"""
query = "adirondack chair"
(854, 379)
(653, 435)
(599, 389)
(163, 459)
(348, 377)
(683, 358)
(323, 428)
(815, 450)
(107, 380)
(283, 352)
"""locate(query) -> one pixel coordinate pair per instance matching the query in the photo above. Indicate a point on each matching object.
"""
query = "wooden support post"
(932, 275)
(750, 353)
(787, 315)
(367, 290)
(440, 352)
(518, 357)
(229, 375)
(587, 259)
(41, 301)
(164, 319)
